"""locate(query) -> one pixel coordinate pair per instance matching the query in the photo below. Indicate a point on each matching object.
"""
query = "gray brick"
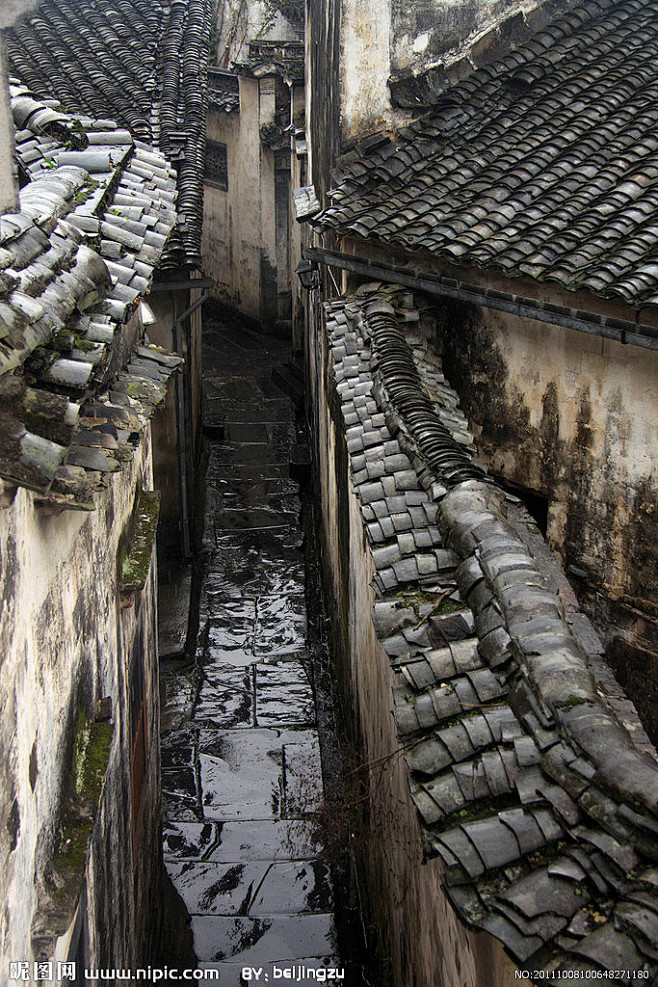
(427, 565)
(375, 470)
(351, 374)
(407, 543)
(372, 439)
(396, 504)
(446, 559)
(359, 477)
(358, 462)
(414, 498)
(386, 556)
(374, 453)
(406, 571)
(395, 464)
(406, 480)
(375, 532)
(431, 511)
(418, 516)
(355, 445)
(388, 579)
(370, 492)
(367, 513)
(401, 522)
(388, 486)
(392, 447)
(396, 646)
(387, 526)
(424, 539)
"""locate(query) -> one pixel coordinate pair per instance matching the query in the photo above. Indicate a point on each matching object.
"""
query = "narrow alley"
(242, 774)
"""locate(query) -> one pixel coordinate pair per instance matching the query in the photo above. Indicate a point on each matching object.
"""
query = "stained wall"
(385, 44)
(571, 417)
(68, 639)
(247, 227)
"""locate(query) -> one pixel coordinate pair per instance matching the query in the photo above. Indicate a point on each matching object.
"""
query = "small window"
(216, 170)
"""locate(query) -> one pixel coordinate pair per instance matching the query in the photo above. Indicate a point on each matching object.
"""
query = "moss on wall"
(92, 743)
(135, 553)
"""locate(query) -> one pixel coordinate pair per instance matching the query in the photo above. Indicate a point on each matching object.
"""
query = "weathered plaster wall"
(8, 184)
(572, 417)
(245, 246)
(298, 179)
(66, 640)
(239, 21)
(418, 938)
(365, 66)
(427, 32)
(11, 10)
(232, 218)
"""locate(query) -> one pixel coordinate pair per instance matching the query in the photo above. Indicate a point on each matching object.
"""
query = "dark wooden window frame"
(216, 165)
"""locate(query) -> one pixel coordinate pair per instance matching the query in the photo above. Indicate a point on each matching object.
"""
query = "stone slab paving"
(241, 759)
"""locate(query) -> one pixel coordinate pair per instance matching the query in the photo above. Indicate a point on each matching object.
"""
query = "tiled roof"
(305, 202)
(96, 213)
(543, 164)
(141, 62)
(533, 778)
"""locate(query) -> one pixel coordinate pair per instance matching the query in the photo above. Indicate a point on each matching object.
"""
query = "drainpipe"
(181, 423)
(621, 330)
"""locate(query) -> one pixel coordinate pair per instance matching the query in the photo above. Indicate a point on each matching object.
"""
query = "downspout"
(621, 330)
(180, 425)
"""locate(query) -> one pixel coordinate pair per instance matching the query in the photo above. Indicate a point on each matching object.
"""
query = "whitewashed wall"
(65, 641)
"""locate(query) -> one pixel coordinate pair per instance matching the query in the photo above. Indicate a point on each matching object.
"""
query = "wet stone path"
(241, 770)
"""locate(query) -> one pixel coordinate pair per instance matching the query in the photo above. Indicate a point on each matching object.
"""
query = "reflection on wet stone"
(284, 694)
(226, 697)
(262, 941)
(241, 768)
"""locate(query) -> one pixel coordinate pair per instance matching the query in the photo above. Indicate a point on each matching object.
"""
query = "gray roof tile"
(543, 164)
(55, 325)
(86, 56)
(551, 819)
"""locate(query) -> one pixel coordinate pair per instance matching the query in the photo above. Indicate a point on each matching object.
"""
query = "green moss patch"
(135, 556)
(92, 744)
